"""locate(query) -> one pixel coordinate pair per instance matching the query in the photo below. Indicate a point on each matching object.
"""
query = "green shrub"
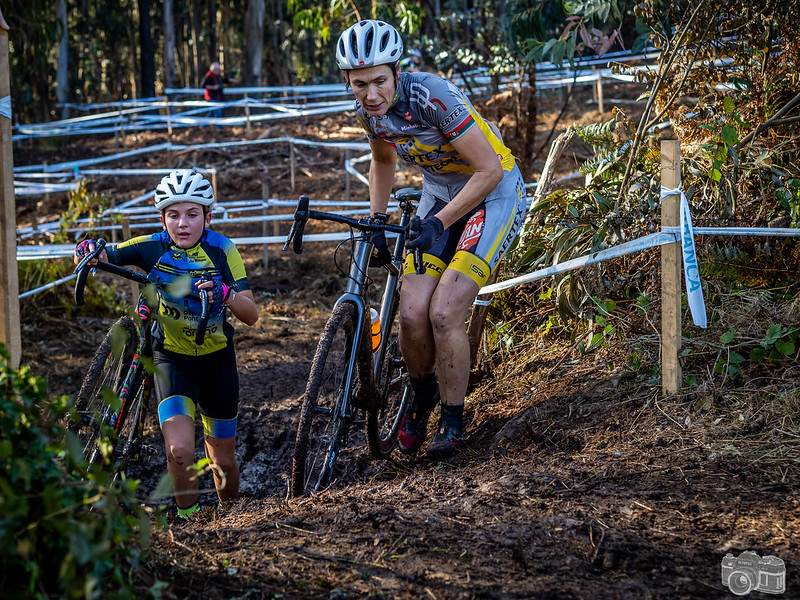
(63, 533)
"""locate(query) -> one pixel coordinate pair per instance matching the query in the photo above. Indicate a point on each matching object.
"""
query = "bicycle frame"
(356, 293)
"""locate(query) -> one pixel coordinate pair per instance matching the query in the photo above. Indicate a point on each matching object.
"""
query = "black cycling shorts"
(210, 381)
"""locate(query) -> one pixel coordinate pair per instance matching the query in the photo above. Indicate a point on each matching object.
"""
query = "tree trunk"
(134, 71)
(62, 76)
(199, 67)
(213, 50)
(169, 45)
(254, 41)
(147, 50)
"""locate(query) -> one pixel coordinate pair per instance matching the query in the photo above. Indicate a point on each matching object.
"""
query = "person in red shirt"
(213, 83)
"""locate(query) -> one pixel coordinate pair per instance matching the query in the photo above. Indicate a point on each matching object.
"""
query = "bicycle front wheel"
(394, 390)
(321, 426)
(130, 423)
(101, 387)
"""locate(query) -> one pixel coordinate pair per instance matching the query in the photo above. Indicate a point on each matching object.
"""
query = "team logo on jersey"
(422, 96)
(407, 116)
(472, 231)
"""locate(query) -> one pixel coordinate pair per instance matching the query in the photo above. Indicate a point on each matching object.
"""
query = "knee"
(180, 454)
(442, 318)
(411, 322)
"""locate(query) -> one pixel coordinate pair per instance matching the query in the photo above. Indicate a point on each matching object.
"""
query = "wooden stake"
(291, 164)
(670, 272)
(265, 212)
(126, 235)
(9, 277)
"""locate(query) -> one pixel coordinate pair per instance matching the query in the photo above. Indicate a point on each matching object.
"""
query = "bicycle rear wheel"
(394, 390)
(102, 385)
(321, 427)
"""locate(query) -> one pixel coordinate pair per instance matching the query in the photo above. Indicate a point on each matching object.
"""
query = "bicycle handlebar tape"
(200, 335)
(300, 218)
(82, 270)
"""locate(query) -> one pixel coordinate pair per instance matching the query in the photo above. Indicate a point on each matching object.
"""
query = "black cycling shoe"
(447, 441)
(413, 429)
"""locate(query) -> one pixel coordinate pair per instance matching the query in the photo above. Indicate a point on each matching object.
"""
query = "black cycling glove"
(430, 230)
(380, 253)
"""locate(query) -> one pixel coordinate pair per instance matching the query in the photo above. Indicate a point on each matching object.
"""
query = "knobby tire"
(393, 389)
(106, 376)
(320, 430)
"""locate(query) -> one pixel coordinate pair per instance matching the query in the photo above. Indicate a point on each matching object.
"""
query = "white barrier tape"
(744, 231)
(691, 269)
(5, 107)
(642, 243)
(52, 284)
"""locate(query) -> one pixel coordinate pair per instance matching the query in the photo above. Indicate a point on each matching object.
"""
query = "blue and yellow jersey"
(428, 113)
(179, 312)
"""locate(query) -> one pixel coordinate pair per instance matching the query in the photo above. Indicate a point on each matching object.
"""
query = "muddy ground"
(578, 480)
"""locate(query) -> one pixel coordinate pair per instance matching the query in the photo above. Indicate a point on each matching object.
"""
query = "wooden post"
(247, 114)
(670, 272)
(10, 334)
(346, 177)
(265, 212)
(599, 86)
(126, 235)
(291, 164)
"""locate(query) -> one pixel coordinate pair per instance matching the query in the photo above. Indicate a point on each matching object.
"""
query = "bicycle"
(112, 402)
(348, 373)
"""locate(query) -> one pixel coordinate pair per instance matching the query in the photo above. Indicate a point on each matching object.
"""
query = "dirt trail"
(577, 481)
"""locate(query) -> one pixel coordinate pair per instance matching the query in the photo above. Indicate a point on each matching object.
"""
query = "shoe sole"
(443, 452)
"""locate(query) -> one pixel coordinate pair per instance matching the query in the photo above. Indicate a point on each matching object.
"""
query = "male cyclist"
(472, 206)
(188, 375)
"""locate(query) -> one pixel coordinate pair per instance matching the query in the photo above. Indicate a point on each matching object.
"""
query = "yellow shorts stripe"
(472, 266)
(433, 265)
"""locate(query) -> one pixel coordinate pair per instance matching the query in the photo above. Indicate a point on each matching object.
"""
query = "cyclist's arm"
(243, 306)
(381, 175)
(487, 173)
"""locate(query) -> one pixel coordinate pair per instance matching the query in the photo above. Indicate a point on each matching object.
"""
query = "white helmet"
(368, 43)
(184, 185)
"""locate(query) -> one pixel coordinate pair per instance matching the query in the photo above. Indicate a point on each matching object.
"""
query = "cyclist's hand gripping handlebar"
(82, 270)
(414, 230)
(200, 334)
(295, 237)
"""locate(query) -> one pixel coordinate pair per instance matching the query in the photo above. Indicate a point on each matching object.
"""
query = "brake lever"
(414, 229)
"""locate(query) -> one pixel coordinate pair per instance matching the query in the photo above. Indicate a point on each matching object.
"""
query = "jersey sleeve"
(137, 251)
(446, 106)
(235, 274)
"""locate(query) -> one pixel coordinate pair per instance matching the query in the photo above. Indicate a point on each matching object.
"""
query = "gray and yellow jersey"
(426, 115)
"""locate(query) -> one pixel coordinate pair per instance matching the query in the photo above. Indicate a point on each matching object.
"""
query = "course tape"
(642, 243)
(691, 268)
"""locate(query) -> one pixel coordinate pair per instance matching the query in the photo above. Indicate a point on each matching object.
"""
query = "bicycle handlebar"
(366, 224)
(205, 312)
(82, 271)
